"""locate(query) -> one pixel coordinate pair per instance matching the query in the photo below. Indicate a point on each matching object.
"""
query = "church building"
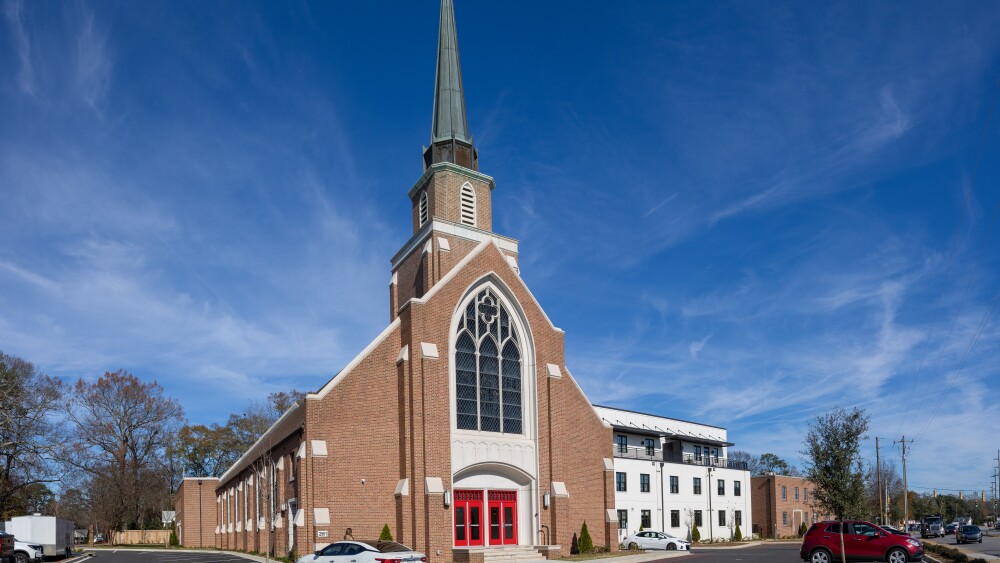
(459, 426)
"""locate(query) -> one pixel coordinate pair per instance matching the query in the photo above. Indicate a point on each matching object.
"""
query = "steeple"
(450, 139)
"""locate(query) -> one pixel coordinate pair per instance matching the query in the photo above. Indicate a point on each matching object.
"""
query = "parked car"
(968, 534)
(863, 541)
(25, 552)
(364, 552)
(6, 547)
(655, 540)
(896, 531)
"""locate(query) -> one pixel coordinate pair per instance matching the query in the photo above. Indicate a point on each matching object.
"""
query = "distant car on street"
(896, 531)
(969, 534)
(950, 528)
(655, 540)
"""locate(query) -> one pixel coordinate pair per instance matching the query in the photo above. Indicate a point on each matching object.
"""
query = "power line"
(951, 255)
(975, 268)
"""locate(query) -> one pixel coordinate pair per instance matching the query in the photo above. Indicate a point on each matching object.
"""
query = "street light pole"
(711, 532)
(201, 529)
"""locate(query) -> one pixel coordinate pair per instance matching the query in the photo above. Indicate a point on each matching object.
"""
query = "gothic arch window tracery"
(488, 368)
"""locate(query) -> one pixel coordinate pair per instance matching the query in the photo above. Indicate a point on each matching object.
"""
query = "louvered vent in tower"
(468, 205)
(423, 208)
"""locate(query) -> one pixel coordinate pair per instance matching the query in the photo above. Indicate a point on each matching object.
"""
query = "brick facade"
(781, 504)
(196, 516)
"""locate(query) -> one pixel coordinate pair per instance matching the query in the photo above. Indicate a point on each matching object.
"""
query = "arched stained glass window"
(488, 368)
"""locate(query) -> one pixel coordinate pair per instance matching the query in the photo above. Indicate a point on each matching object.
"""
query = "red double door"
(499, 517)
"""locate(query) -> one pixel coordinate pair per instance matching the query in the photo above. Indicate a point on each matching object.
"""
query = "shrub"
(386, 534)
(574, 545)
(738, 536)
(695, 535)
(173, 538)
(803, 529)
(585, 545)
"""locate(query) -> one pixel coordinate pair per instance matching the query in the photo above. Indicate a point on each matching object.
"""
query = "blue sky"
(742, 214)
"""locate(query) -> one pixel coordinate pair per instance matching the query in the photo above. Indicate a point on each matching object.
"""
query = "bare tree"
(124, 427)
(30, 437)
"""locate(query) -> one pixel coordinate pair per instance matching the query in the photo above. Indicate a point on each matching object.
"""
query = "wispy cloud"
(13, 11)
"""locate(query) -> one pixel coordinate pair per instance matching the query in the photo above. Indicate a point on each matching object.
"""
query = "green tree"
(386, 534)
(834, 465)
(803, 529)
(695, 535)
(31, 436)
(738, 536)
(771, 463)
(586, 544)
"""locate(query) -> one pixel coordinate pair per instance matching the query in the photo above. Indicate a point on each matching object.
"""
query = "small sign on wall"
(322, 533)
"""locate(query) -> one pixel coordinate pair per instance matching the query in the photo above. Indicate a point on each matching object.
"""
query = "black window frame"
(737, 488)
(721, 487)
(675, 518)
(644, 482)
(696, 485)
(623, 519)
(675, 484)
(621, 482)
(646, 519)
(722, 517)
(697, 519)
(738, 517)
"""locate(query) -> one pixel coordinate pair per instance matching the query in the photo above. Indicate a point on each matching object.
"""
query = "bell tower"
(452, 201)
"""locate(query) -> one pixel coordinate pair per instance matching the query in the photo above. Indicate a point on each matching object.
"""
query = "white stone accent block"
(404, 354)
(403, 488)
(300, 517)
(443, 243)
(321, 516)
(318, 447)
(611, 515)
(609, 464)
(434, 485)
(559, 489)
(554, 371)
(429, 350)
(301, 453)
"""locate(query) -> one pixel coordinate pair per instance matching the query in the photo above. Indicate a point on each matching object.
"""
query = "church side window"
(488, 368)
(423, 207)
(468, 204)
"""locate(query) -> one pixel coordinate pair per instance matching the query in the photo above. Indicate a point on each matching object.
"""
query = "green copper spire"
(450, 139)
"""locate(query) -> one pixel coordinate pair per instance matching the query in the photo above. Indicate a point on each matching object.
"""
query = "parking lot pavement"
(163, 556)
(763, 553)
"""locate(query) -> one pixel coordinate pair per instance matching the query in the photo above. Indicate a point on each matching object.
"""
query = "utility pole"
(906, 488)
(878, 484)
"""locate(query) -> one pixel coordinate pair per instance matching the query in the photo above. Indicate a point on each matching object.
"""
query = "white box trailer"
(55, 535)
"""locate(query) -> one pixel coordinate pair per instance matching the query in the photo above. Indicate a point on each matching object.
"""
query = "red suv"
(863, 541)
(6, 548)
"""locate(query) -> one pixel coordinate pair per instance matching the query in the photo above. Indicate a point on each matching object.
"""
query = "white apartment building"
(672, 475)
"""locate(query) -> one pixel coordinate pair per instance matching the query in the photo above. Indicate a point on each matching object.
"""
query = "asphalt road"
(136, 556)
(990, 545)
(764, 553)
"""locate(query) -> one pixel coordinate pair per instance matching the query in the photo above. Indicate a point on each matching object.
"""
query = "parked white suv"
(25, 552)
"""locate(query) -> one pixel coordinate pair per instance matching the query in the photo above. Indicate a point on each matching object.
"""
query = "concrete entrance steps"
(511, 554)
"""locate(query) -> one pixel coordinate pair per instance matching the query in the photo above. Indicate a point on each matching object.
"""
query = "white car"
(655, 540)
(364, 552)
(25, 552)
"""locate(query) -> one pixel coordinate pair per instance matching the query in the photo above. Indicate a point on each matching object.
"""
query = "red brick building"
(459, 425)
(196, 513)
(781, 504)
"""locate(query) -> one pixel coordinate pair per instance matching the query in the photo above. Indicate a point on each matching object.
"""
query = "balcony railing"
(653, 454)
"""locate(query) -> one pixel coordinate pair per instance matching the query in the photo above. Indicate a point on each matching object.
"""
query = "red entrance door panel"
(503, 517)
(468, 517)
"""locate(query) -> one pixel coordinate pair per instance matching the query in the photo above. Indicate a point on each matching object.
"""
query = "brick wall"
(196, 518)
(770, 510)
